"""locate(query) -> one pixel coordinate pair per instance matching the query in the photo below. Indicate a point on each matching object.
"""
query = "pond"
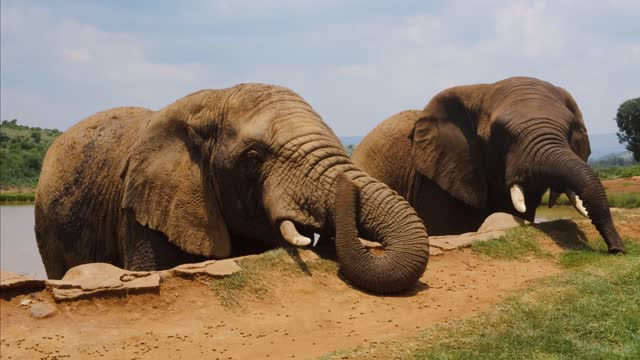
(18, 248)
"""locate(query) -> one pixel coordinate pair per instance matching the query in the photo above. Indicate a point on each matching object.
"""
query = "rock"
(100, 278)
(12, 280)
(211, 267)
(434, 251)
(451, 242)
(42, 310)
(500, 221)
(25, 302)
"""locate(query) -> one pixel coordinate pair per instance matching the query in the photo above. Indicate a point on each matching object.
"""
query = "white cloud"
(77, 56)
(354, 68)
(529, 27)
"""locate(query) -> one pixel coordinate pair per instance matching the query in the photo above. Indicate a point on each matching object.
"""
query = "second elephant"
(479, 149)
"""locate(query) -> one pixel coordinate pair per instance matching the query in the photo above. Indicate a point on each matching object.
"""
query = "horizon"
(356, 63)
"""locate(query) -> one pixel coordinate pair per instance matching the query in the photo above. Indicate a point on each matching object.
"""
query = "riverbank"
(17, 196)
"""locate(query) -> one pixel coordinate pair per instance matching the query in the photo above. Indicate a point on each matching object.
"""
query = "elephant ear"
(579, 142)
(578, 139)
(445, 149)
(165, 186)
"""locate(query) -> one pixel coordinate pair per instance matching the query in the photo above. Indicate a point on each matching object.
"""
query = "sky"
(355, 62)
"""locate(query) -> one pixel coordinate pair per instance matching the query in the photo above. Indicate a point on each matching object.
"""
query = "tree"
(628, 119)
(36, 135)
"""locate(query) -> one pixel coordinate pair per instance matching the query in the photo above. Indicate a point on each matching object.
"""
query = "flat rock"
(500, 221)
(434, 251)
(12, 280)
(224, 267)
(42, 310)
(100, 278)
(451, 242)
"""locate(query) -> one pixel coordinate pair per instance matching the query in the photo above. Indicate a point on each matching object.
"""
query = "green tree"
(36, 135)
(628, 119)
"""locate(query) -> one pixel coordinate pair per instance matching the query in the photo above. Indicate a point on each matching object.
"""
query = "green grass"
(11, 197)
(517, 243)
(592, 252)
(626, 200)
(589, 312)
(616, 172)
(254, 279)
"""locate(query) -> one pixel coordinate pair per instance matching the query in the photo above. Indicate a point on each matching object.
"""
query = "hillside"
(22, 149)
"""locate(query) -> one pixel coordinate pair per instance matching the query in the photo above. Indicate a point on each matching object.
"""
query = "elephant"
(218, 172)
(479, 149)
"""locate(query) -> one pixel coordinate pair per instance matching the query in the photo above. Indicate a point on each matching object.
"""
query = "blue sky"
(355, 62)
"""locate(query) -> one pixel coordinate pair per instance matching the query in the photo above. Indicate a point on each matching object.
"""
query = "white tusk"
(316, 237)
(553, 197)
(291, 235)
(577, 203)
(517, 198)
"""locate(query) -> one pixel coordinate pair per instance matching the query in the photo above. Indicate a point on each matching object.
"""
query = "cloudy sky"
(355, 62)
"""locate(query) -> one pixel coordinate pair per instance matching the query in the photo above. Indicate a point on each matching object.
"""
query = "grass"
(616, 172)
(16, 197)
(254, 281)
(590, 312)
(592, 252)
(626, 200)
(517, 243)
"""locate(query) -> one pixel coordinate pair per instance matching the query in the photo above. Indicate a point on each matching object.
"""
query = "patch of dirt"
(627, 185)
(302, 316)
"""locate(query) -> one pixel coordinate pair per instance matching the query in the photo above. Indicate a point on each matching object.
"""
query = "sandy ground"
(302, 317)
(623, 185)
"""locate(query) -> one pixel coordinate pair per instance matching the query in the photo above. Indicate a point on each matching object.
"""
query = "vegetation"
(22, 150)
(589, 312)
(254, 281)
(628, 119)
(350, 149)
(515, 244)
(616, 172)
(586, 314)
(17, 197)
(627, 200)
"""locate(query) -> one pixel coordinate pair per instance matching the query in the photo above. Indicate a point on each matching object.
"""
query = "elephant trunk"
(387, 218)
(578, 177)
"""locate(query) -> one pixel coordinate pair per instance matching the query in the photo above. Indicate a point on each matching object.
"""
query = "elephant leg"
(148, 250)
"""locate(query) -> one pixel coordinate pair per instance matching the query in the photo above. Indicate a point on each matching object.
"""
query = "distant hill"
(22, 150)
(604, 144)
(350, 140)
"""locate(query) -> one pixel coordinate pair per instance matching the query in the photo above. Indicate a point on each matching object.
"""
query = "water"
(18, 248)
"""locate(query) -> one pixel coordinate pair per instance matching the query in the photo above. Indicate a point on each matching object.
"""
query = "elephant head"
(254, 163)
(501, 146)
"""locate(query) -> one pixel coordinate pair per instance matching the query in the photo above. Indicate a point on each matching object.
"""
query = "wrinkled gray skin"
(214, 175)
(457, 160)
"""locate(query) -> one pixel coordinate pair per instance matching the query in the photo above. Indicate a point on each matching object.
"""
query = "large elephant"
(211, 175)
(479, 149)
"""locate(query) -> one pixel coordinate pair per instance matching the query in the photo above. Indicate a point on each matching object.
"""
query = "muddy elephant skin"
(215, 174)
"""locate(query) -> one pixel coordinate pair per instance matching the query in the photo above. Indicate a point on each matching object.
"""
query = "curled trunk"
(388, 219)
(578, 177)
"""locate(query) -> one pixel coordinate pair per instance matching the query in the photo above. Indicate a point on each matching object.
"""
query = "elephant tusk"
(291, 235)
(517, 198)
(553, 197)
(316, 237)
(577, 203)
